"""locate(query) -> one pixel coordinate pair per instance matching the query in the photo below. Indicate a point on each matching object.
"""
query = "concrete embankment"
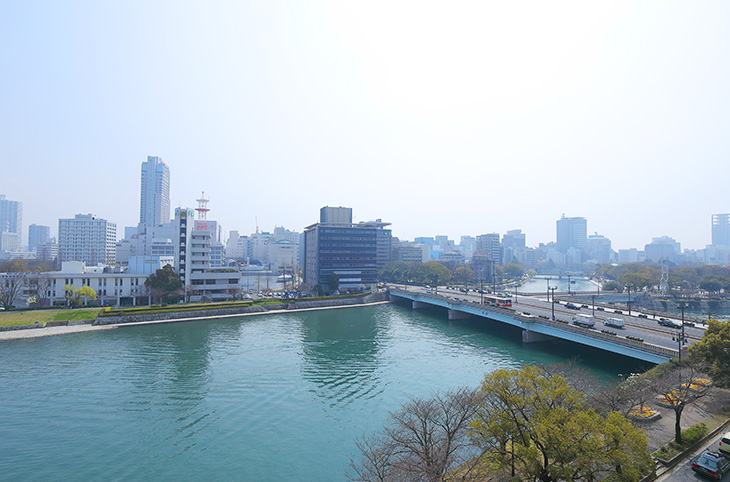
(101, 323)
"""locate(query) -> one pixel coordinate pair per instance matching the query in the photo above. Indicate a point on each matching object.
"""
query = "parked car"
(711, 464)
(669, 323)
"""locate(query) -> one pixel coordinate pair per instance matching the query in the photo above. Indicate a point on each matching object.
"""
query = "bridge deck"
(557, 329)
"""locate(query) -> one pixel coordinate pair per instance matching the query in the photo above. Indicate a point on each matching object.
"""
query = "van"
(725, 445)
(614, 322)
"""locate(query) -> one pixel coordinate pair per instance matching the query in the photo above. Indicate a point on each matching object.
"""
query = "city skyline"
(465, 120)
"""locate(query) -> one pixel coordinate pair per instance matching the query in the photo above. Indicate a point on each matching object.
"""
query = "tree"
(10, 288)
(712, 284)
(87, 293)
(613, 285)
(514, 270)
(425, 440)
(38, 285)
(463, 274)
(164, 283)
(541, 421)
(714, 350)
(333, 282)
(678, 389)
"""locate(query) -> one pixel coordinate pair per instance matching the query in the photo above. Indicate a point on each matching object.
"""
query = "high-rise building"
(351, 251)
(720, 230)
(514, 239)
(87, 238)
(37, 234)
(11, 217)
(571, 233)
(489, 244)
(154, 206)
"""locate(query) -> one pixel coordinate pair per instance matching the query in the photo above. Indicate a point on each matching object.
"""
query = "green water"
(268, 398)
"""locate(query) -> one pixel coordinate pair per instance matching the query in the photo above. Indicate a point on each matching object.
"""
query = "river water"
(266, 398)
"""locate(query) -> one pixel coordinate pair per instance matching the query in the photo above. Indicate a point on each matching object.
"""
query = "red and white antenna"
(202, 209)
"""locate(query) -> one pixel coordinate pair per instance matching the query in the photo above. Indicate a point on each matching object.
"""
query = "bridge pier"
(416, 305)
(458, 315)
(532, 337)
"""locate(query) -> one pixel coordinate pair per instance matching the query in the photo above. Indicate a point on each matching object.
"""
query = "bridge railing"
(562, 325)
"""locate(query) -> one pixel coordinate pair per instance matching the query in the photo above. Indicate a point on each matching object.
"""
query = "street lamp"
(628, 303)
(593, 297)
(568, 284)
(681, 339)
(553, 290)
(548, 289)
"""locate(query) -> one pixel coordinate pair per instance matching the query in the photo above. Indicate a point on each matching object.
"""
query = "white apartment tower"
(154, 206)
(87, 238)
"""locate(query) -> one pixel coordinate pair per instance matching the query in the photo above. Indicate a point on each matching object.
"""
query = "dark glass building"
(354, 252)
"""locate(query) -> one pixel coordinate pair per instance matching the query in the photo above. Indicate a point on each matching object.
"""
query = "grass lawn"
(14, 318)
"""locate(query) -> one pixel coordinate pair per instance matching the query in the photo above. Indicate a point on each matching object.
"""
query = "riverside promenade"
(35, 331)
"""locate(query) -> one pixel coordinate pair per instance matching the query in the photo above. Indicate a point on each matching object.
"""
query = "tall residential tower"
(154, 206)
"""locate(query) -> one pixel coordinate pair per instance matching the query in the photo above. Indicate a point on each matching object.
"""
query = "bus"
(498, 300)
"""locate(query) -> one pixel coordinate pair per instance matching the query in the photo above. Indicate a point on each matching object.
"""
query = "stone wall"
(297, 305)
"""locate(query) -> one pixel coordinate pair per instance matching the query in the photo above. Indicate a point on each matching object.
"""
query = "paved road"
(646, 328)
(683, 472)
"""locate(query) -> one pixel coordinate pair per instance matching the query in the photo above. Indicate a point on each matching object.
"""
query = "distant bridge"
(536, 329)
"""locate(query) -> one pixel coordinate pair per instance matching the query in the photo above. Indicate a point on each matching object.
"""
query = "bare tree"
(426, 440)
(39, 284)
(10, 288)
(679, 388)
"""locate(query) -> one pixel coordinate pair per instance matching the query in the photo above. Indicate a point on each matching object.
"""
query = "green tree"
(714, 350)
(464, 275)
(713, 284)
(541, 421)
(613, 285)
(86, 293)
(514, 270)
(164, 283)
(638, 281)
(333, 282)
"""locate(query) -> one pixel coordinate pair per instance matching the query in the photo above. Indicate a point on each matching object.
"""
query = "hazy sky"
(440, 117)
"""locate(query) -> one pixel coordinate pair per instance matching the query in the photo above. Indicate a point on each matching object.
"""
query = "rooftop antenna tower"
(202, 212)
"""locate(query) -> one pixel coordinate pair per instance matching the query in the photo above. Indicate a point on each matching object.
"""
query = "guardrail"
(559, 324)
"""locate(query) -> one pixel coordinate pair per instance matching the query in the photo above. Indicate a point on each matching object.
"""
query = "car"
(572, 306)
(724, 447)
(669, 323)
(711, 464)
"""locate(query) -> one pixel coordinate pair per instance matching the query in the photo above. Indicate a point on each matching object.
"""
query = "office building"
(37, 235)
(88, 239)
(489, 244)
(514, 239)
(598, 249)
(155, 193)
(11, 218)
(351, 251)
(720, 230)
(571, 233)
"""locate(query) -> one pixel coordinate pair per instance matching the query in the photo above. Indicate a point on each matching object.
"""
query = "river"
(269, 398)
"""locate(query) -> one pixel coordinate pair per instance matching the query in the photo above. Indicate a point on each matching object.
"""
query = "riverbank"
(33, 331)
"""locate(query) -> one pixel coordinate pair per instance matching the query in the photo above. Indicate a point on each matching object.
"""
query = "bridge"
(539, 328)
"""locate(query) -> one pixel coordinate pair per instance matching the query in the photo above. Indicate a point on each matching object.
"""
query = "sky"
(451, 118)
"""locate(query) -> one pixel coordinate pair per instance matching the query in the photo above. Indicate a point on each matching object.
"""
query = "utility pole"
(548, 289)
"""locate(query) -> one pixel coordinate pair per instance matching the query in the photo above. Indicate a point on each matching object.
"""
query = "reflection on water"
(539, 284)
(340, 355)
(275, 397)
